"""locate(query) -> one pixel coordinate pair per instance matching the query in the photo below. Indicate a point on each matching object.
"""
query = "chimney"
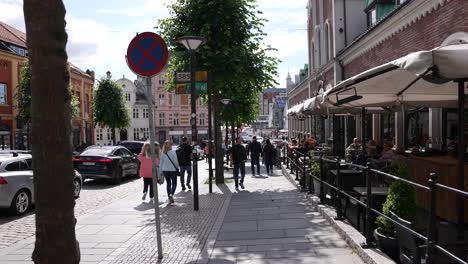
(91, 73)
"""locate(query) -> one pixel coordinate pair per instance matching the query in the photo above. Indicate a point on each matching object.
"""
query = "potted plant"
(315, 170)
(401, 200)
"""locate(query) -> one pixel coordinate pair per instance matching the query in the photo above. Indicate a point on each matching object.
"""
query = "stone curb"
(345, 230)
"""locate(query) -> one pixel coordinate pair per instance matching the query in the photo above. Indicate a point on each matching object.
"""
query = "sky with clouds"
(100, 31)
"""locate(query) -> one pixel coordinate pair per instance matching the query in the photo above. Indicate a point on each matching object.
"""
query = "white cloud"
(156, 8)
(99, 46)
(11, 13)
(287, 42)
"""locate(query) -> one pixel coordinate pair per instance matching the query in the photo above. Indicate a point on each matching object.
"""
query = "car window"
(126, 153)
(29, 162)
(24, 165)
(96, 152)
(118, 153)
(14, 166)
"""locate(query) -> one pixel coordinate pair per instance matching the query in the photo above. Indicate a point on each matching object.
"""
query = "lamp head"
(225, 101)
(191, 43)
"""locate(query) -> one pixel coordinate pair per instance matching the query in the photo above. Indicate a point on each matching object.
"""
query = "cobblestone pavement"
(185, 233)
(95, 194)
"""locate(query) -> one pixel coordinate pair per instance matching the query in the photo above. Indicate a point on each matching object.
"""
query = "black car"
(134, 145)
(107, 162)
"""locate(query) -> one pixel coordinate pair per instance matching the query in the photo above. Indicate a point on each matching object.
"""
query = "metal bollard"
(339, 209)
(296, 165)
(303, 178)
(322, 173)
(311, 181)
(368, 230)
(432, 230)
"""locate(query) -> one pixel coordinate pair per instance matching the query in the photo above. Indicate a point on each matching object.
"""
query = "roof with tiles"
(12, 35)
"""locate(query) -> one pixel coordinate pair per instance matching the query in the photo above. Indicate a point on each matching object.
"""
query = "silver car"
(16, 182)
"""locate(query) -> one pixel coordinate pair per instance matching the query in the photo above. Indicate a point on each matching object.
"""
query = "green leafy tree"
(23, 97)
(109, 107)
(234, 54)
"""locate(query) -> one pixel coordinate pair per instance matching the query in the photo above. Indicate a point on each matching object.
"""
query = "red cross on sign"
(147, 54)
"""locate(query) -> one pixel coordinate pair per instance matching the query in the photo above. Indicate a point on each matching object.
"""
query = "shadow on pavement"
(102, 184)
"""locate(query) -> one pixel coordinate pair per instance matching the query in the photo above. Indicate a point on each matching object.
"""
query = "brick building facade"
(13, 55)
(347, 37)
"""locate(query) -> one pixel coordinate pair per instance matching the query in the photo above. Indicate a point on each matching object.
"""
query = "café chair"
(411, 249)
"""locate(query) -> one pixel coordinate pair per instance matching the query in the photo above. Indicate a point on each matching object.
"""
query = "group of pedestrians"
(239, 155)
(171, 164)
(178, 163)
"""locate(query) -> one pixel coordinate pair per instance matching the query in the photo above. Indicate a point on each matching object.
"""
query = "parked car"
(16, 182)
(107, 162)
(134, 146)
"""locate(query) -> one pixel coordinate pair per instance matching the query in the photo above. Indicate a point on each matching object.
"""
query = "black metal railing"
(300, 165)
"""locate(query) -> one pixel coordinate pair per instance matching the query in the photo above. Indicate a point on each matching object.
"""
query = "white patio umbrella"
(420, 79)
(433, 78)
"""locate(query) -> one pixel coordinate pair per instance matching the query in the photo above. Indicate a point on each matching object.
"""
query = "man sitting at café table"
(353, 150)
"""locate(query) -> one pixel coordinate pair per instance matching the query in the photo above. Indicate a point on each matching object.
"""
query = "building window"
(99, 134)
(86, 105)
(176, 119)
(145, 133)
(136, 113)
(162, 99)
(202, 119)
(318, 55)
(127, 97)
(136, 134)
(145, 113)
(162, 120)
(327, 42)
(109, 134)
(3, 95)
(177, 99)
(372, 17)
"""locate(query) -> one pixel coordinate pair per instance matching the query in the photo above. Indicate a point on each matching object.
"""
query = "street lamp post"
(191, 43)
(225, 102)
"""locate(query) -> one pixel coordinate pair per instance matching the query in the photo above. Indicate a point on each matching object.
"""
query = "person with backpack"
(184, 155)
(269, 154)
(238, 157)
(169, 166)
(255, 150)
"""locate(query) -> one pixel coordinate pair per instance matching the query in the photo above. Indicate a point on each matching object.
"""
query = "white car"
(16, 182)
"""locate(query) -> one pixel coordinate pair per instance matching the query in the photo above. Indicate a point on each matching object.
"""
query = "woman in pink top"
(146, 168)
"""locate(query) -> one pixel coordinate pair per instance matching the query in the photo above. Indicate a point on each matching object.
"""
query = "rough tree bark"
(51, 146)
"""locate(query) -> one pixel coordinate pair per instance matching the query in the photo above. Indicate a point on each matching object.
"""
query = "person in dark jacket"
(255, 150)
(184, 156)
(269, 153)
(238, 157)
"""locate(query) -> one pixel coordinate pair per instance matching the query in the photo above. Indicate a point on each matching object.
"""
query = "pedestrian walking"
(254, 148)
(170, 168)
(146, 169)
(269, 154)
(238, 157)
(184, 155)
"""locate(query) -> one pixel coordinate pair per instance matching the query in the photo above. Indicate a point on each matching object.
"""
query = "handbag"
(161, 177)
(177, 169)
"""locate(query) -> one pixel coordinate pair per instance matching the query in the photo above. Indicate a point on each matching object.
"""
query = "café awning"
(295, 110)
(420, 79)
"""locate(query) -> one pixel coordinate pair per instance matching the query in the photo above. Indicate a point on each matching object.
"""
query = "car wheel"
(21, 202)
(117, 177)
(77, 188)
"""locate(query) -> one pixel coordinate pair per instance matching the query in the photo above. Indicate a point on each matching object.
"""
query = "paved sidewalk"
(268, 222)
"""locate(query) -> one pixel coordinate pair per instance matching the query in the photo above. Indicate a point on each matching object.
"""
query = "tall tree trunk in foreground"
(51, 147)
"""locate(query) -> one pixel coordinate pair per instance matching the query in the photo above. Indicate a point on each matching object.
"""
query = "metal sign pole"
(149, 99)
